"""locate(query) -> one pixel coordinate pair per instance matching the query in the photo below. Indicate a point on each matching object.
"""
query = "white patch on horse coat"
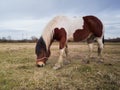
(61, 55)
(100, 43)
(69, 24)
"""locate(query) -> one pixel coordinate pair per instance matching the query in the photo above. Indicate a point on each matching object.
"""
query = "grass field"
(19, 72)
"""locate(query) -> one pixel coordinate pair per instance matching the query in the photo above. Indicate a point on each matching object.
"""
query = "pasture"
(19, 72)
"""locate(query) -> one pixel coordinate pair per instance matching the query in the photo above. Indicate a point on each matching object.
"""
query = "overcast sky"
(25, 18)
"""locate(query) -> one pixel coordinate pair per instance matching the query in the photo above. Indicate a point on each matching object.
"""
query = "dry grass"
(18, 70)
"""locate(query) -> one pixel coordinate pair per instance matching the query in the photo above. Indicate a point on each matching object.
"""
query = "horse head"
(41, 53)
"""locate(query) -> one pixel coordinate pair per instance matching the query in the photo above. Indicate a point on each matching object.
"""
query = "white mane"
(70, 25)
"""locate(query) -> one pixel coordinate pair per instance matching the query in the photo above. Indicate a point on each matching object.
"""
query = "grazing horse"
(62, 29)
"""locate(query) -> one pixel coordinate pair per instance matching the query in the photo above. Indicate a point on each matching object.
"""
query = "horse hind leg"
(90, 45)
(66, 50)
(90, 41)
(100, 48)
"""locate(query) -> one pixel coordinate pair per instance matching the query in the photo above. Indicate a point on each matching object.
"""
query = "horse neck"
(47, 36)
(49, 32)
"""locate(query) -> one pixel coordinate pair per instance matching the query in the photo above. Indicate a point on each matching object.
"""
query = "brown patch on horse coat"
(80, 34)
(93, 24)
(61, 36)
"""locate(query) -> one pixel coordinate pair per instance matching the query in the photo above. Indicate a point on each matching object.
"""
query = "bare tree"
(34, 38)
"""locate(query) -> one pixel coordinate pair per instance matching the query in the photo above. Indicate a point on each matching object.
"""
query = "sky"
(21, 19)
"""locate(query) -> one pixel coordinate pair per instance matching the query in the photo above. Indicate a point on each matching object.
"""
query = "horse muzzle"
(40, 64)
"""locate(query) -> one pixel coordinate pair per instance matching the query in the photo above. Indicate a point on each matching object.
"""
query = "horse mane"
(40, 46)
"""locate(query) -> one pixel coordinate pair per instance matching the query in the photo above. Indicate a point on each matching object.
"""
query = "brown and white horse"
(62, 29)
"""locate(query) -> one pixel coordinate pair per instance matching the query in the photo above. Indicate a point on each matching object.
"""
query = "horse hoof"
(86, 61)
(67, 62)
(100, 61)
(57, 67)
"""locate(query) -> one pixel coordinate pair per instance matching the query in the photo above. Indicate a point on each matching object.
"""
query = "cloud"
(30, 24)
(19, 29)
(31, 16)
(13, 9)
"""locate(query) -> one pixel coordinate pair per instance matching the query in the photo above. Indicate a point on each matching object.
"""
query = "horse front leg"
(59, 64)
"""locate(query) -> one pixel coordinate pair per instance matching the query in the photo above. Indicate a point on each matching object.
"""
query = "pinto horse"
(62, 29)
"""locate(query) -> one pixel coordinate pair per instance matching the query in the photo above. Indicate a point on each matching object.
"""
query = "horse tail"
(103, 40)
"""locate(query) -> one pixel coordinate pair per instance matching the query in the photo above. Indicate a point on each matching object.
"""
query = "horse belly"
(72, 30)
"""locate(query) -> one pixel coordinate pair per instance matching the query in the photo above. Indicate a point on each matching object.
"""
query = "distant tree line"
(113, 39)
(9, 40)
(34, 39)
